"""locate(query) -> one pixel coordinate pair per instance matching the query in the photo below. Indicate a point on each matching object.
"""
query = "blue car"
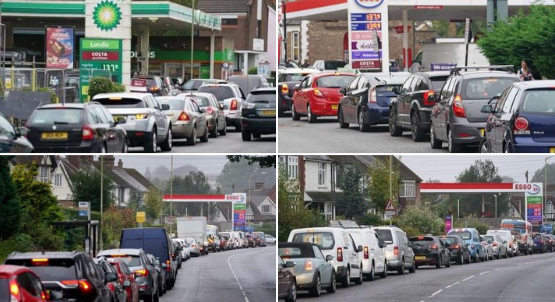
(521, 120)
(540, 244)
(472, 239)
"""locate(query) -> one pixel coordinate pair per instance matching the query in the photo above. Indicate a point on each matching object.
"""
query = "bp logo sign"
(106, 15)
(369, 3)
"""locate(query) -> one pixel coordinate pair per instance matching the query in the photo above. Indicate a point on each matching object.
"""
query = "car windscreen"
(262, 97)
(4, 291)
(422, 241)
(220, 92)
(175, 104)
(448, 240)
(120, 102)
(385, 235)
(49, 269)
(539, 101)
(333, 81)
(295, 252)
(201, 101)
(57, 116)
(333, 65)
(437, 82)
(464, 234)
(324, 240)
(485, 88)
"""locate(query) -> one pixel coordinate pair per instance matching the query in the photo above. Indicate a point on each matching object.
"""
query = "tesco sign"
(236, 197)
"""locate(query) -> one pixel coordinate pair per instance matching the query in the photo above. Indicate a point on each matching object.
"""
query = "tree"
(539, 175)
(353, 204)
(114, 221)
(153, 204)
(235, 176)
(148, 174)
(380, 182)
(525, 36)
(420, 220)
(266, 161)
(86, 187)
(10, 204)
(135, 202)
(194, 183)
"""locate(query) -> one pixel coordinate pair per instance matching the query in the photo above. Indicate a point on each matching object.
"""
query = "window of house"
(282, 159)
(408, 188)
(44, 174)
(230, 21)
(295, 46)
(293, 167)
(266, 208)
(57, 180)
(258, 186)
(321, 174)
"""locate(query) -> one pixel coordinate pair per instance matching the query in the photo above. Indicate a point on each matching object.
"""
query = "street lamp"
(495, 196)
(545, 185)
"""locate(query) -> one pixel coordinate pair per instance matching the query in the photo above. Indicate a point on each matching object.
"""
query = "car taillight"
(81, 284)
(433, 246)
(88, 133)
(318, 93)
(339, 254)
(168, 265)
(285, 89)
(395, 250)
(458, 108)
(209, 110)
(111, 286)
(141, 116)
(494, 244)
(141, 272)
(427, 95)
(154, 88)
(308, 266)
(233, 105)
(521, 126)
(456, 246)
(183, 116)
(372, 96)
(365, 252)
(14, 291)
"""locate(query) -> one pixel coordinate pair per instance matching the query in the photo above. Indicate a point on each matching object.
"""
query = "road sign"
(169, 220)
(141, 217)
(83, 205)
(389, 209)
(83, 213)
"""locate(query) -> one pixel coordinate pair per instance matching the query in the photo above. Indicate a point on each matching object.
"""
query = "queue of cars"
(314, 259)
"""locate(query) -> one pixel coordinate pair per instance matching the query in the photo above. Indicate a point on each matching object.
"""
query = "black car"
(287, 80)
(162, 288)
(411, 109)
(76, 128)
(456, 117)
(457, 248)
(521, 119)
(13, 140)
(429, 250)
(74, 274)
(110, 278)
(258, 113)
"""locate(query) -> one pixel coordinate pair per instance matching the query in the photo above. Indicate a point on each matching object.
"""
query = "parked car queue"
(487, 108)
(320, 258)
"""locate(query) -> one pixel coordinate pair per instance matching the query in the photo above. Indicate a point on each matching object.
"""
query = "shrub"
(253, 70)
(104, 85)
(119, 87)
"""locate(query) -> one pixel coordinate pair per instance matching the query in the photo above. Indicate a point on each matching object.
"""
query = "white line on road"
(237, 279)
(498, 269)
(483, 273)
(468, 278)
(439, 291)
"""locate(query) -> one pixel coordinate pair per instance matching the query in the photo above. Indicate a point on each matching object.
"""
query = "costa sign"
(369, 3)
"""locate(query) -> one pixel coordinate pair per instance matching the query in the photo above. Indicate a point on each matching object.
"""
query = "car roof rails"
(508, 68)
(346, 224)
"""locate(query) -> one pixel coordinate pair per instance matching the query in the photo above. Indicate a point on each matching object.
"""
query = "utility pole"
(192, 38)
(100, 245)
(171, 190)
(284, 3)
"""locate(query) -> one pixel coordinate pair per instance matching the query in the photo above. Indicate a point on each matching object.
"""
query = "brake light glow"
(233, 105)
(372, 97)
(521, 126)
(285, 89)
(308, 266)
(81, 284)
(154, 88)
(14, 288)
(458, 108)
(365, 252)
(88, 133)
(141, 272)
(396, 250)
(318, 93)
(456, 246)
(40, 260)
(433, 246)
(339, 254)
(168, 265)
(427, 96)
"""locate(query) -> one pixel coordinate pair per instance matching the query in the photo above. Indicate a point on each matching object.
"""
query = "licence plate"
(54, 135)
(268, 112)
(420, 257)
(482, 132)
(551, 149)
(334, 107)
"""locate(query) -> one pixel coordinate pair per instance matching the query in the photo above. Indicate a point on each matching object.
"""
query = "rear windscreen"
(385, 235)
(224, 236)
(220, 92)
(324, 241)
(174, 104)
(539, 101)
(425, 241)
(130, 260)
(387, 88)
(50, 270)
(291, 77)
(485, 88)
(295, 252)
(265, 97)
(537, 236)
(437, 82)
(464, 235)
(448, 240)
(334, 81)
(57, 116)
(4, 291)
(201, 101)
(120, 102)
(152, 241)
(193, 84)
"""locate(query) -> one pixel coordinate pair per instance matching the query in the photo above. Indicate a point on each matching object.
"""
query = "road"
(325, 136)
(523, 278)
(231, 143)
(247, 275)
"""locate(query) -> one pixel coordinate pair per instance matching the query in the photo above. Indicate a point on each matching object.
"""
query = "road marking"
(439, 291)
(498, 269)
(483, 273)
(237, 279)
(468, 278)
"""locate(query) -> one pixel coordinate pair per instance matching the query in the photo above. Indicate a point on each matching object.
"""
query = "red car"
(20, 284)
(127, 278)
(318, 95)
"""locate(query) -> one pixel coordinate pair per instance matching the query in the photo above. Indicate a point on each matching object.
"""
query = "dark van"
(155, 241)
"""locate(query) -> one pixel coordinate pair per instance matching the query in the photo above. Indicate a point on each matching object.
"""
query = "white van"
(242, 240)
(399, 254)
(512, 245)
(338, 243)
(372, 254)
(235, 240)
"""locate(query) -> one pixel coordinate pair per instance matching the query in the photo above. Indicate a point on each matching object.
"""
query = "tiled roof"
(223, 6)
(139, 177)
(317, 157)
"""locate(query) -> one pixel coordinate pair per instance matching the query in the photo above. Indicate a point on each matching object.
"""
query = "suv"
(373, 252)
(472, 239)
(287, 80)
(338, 243)
(144, 271)
(249, 82)
(72, 273)
(146, 124)
(232, 97)
(153, 84)
(194, 84)
(398, 253)
(456, 118)
(411, 109)
(258, 113)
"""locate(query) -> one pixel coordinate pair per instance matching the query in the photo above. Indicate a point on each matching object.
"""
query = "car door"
(360, 97)
(347, 102)
(403, 104)
(323, 266)
(298, 95)
(354, 259)
(107, 126)
(407, 250)
(502, 121)
(96, 277)
(200, 118)
(118, 132)
(377, 251)
(161, 117)
(441, 110)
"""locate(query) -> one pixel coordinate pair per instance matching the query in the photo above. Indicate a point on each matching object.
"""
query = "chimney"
(120, 163)
(74, 160)
(109, 161)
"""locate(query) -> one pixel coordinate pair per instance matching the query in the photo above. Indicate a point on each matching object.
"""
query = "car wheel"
(401, 269)
(156, 297)
(438, 264)
(346, 282)
(316, 291)
(448, 264)
(160, 290)
(214, 132)
(167, 144)
(310, 116)
(360, 276)
(246, 135)
(102, 148)
(223, 132)
(484, 146)
(412, 269)
(204, 138)
(451, 146)
(238, 127)
(333, 287)
(461, 259)
(125, 147)
(416, 131)
(294, 115)
(394, 130)
(292, 293)
(434, 142)
(372, 275)
(192, 140)
(361, 125)
(341, 119)
(384, 273)
(151, 145)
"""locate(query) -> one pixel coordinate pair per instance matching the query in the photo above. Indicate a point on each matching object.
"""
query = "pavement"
(247, 275)
(522, 278)
(325, 136)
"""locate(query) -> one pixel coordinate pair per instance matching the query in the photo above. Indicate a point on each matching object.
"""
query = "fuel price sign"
(99, 57)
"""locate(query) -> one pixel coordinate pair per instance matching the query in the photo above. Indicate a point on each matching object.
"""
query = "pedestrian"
(524, 72)
(305, 65)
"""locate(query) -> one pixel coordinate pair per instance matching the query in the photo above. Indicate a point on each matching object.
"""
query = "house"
(318, 177)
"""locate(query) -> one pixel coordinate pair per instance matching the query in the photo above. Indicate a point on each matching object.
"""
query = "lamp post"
(495, 196)
(545, 185)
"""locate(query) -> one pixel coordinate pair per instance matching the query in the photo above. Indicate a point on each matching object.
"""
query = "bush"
(253, 70)
(19, 243)
(370, 219)
(119, 87)
(53, 96)
(104, 85)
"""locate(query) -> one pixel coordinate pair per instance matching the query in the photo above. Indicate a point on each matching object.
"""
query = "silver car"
(193, 246)
(399, 254)
(232, 97)
(146, 124)
(213, 110)
(188, 121)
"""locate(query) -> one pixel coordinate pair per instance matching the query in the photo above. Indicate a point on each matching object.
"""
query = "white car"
(373, 257)
(185, 252)
(232, 97)
(270, 239)
(512, 244)
(193, 246)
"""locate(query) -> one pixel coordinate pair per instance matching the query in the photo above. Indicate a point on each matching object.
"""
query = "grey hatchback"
(456, 118)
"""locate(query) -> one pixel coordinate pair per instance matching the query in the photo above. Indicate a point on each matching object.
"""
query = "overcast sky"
(212, 164)
(448, 166)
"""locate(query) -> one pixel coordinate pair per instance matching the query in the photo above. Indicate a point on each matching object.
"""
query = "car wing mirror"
(22, 131)
(110, 277)
(289, 264)
(343, 91)
(121, 120)
(359, 248)
(487, 109)
(329, 258)
(396, 90)
(297, 87)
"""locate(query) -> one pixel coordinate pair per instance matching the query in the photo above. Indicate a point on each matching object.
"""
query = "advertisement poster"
(59, 47)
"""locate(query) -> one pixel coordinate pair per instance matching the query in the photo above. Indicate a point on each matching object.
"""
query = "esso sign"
(527, 187)
(237, 197)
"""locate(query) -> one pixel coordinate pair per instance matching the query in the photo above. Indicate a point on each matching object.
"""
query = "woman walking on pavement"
(524, 72)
